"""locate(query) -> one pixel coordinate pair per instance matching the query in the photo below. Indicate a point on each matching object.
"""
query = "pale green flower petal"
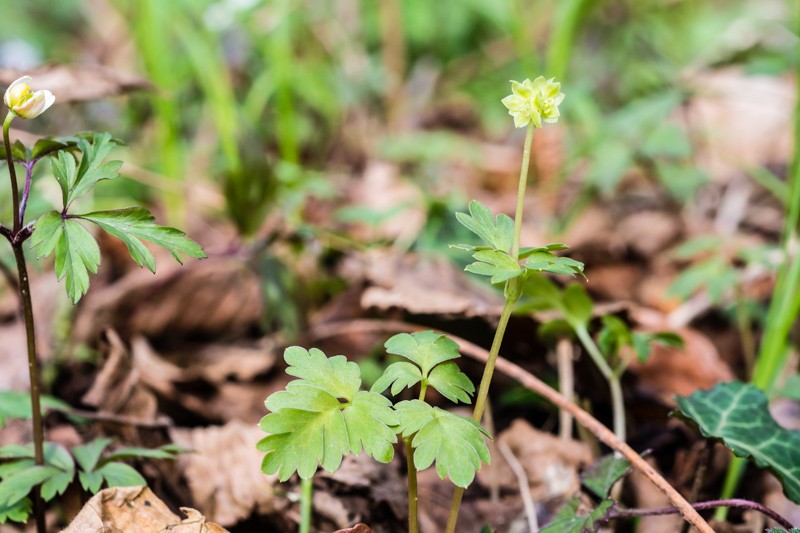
(520, 120)
(534, 101)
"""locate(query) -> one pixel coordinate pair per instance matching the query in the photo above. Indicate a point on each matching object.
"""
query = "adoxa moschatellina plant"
(77, 162)
(323, 415)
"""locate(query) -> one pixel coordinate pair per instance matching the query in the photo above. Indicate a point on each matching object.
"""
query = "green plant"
(62, 231)
(20, 475)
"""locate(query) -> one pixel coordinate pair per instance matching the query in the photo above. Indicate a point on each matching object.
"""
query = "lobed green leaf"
(451, 382)
(499, 265)
(17, 512)
(454, 442)
(569, 521)
(426, 349)
(498, 231)
(18, 485)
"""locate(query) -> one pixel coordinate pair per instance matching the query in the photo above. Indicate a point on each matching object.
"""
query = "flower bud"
(24, 103)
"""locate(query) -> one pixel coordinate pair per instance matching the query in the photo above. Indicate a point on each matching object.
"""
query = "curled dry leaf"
(224, 474)
(422, 286)
(551, 464)
(76, 83)
(136, 509)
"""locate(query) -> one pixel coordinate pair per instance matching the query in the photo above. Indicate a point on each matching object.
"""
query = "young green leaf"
(568, 521)
(134, 223)
(738, 415)
(429, 351)
(88, 454)
(577, 305)
(120, 475)
(15, 404)
(322, 417)
(496, 232)
(524, 253)
(604, 473)
(539, 261)
(499, 265)
(17, 512)
(76, 250)
(16, 486)
(455, 442)
(77, 180)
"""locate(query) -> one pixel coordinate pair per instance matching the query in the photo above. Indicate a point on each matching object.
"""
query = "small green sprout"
(534, 101)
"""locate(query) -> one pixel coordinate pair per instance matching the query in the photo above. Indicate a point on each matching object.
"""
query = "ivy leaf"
(496, 232)
(568, 521)
(322, 417)
(18, 512)
(134, 223)
(77, 180)
(429, 351)
(455, 442)
(451, 382)
(76, 250)
(499, 265)
(601, 476)
(738, 415)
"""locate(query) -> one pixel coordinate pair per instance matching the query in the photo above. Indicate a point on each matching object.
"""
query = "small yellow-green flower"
(26, 104)
(534, 101)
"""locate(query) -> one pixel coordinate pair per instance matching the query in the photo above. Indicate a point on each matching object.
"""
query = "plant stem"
(617, 400)
(26, 191)
(513, 296)
(12, 172)
(413, 520)
(306, 495)
(716, 504)
(27, 314)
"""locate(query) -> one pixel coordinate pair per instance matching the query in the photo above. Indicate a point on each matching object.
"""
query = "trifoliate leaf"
(76, 250)
(604, 473)
(322, 417)
(455, 442)
(77, 180)
(428, 351)
(18, 512)
(134, 223)
(451, 382)
(568, 521)
(738, 415)
(499, 265)
(496, 232)
(400, 376)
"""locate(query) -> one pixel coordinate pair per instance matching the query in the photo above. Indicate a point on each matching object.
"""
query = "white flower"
(534, 101)
(24, 103)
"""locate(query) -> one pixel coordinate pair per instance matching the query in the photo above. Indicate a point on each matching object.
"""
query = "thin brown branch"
(533, 383)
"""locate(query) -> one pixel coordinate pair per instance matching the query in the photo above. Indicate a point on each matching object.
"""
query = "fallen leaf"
(75, 83)
(551, 464)
(135, 510)
(358, 528)
(224, 475)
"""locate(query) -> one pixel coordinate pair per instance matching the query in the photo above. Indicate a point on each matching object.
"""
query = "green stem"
(514, 294)
(413, 521)
(27, 313)
(12, 172)
(306, 495)
(613, 378)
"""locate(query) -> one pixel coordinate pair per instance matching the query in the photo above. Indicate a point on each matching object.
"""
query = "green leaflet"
(543, 261)
(322, 417)
(430, 354)
(568, 521)
(18, 512)
(134, 223)
(602, 475)
(499, 265)
(455, 442)
(738, 415)
(75, 179)
(76, 251)
(496, 232)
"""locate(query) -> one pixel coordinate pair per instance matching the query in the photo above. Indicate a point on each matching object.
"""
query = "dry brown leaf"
(423, 286)
(358, 528)
(224, 475)
(117, 388)
(75, 83)
(136, 510)
(550, 463)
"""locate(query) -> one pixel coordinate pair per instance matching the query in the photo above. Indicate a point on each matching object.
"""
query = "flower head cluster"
(534, 101)
(24, 103)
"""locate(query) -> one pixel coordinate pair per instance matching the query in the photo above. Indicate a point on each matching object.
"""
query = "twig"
(566, 383)
(524, 487)
(735, 503)
(533, 383)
